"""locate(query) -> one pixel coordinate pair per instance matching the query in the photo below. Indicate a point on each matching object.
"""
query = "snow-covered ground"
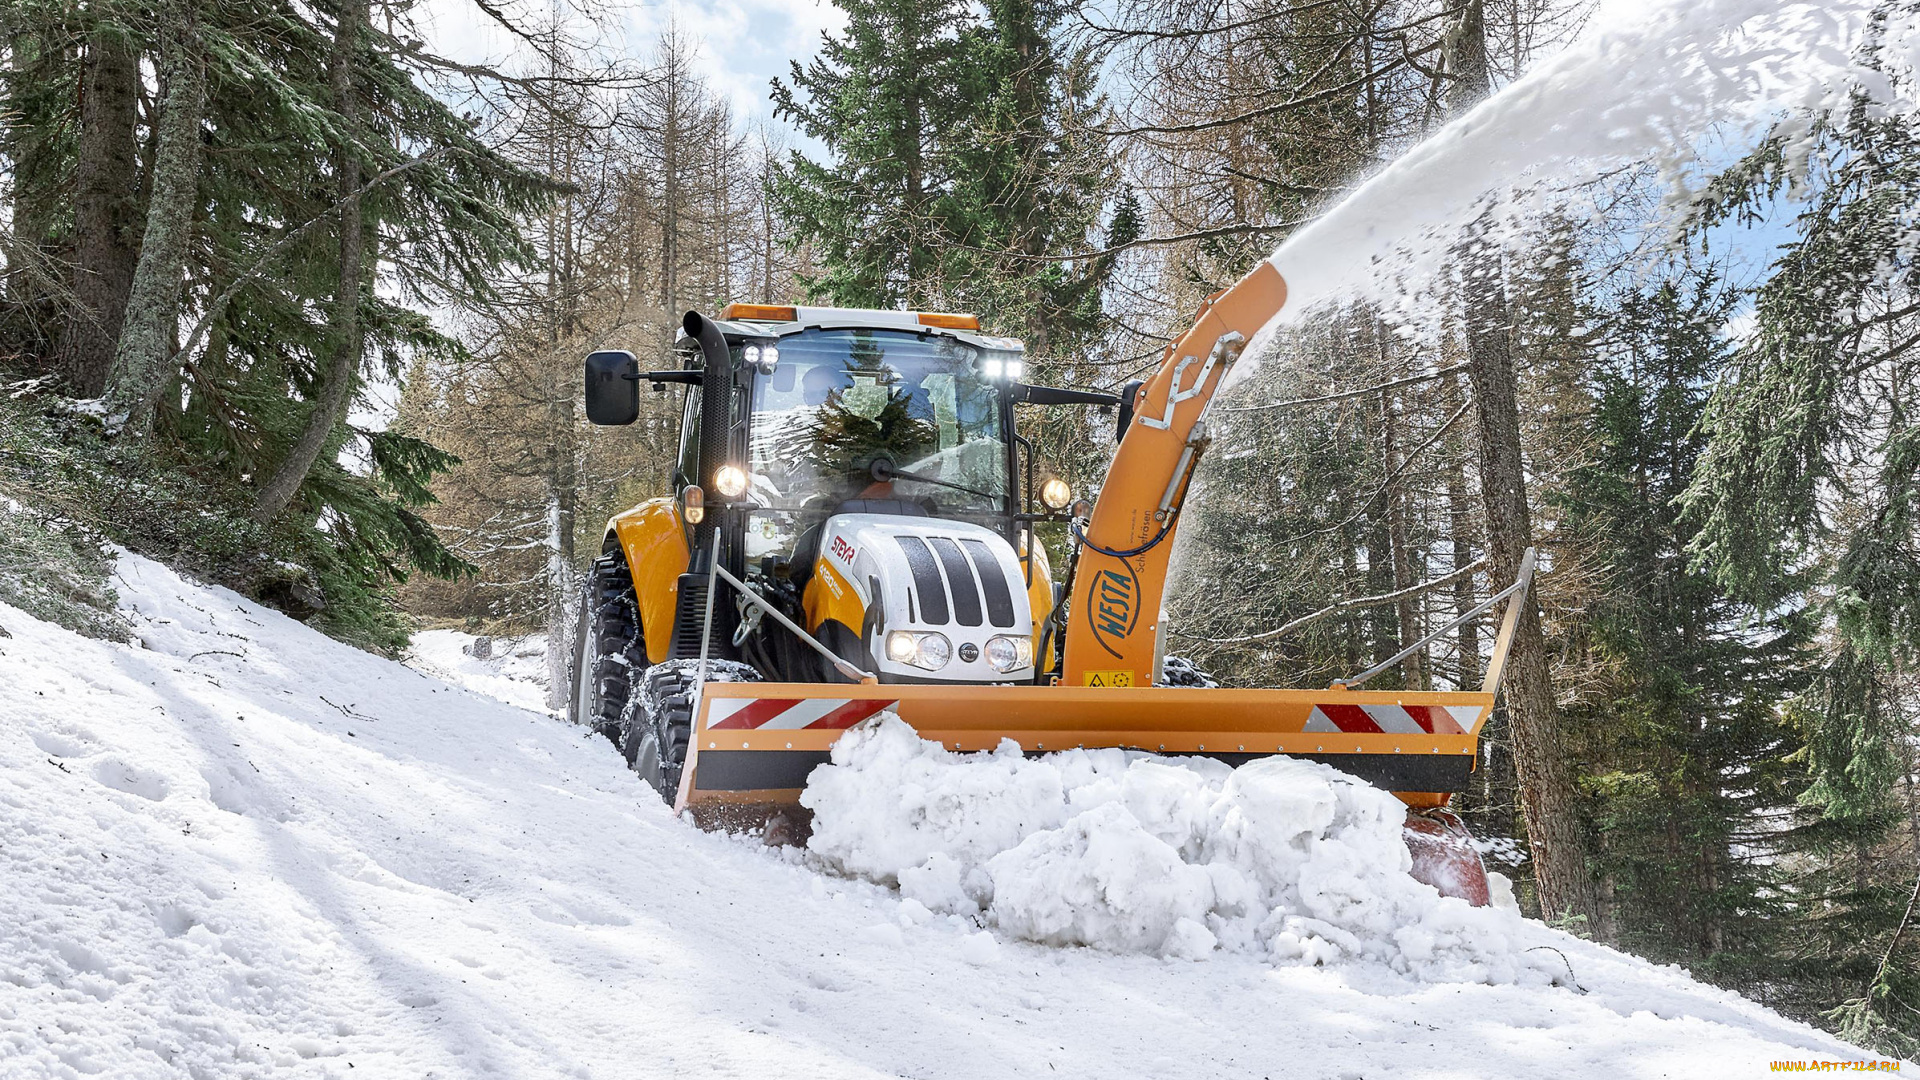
(240, 849)
(514, 670)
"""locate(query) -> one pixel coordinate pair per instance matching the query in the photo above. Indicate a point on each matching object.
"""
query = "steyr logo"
(843, 550)
(1113, 606)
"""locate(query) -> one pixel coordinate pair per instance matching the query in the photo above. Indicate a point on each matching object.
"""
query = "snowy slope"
(515, 671)
(246, 850)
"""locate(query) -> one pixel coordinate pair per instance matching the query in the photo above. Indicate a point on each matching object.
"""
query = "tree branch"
(1388, 482)
(1338, 607)
(1145, 241)
(1408, 381)
(1266, 110)
(259, 266)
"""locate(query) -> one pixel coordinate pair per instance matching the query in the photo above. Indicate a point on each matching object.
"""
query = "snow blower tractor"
(850, 529)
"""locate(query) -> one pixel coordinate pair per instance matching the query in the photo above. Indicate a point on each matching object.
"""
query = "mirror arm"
(689, 378)
(1129, 394)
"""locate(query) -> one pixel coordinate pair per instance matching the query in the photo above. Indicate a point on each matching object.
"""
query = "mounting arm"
(1113, 616)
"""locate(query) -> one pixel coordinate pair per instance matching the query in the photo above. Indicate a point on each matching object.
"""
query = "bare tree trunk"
(1554, 830)
(671, 147)
(106, 191)
(1383, 636)
(1460, 512)
(1407, 608)
(562, 483)
(348, 335)
(560, 478)
(560, 496)
(1463, 54)
(143, 363)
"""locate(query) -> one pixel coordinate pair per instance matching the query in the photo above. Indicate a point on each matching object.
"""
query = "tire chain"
(617, 650)
(664, 708)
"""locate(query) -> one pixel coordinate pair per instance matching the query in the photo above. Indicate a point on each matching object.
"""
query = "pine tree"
(1808, 492)
(887, 99)
(1687, 751)
(249, 170)
(1028, 185)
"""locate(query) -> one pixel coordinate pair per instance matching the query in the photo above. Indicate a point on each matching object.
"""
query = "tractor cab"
(876, 419)
(860, 471)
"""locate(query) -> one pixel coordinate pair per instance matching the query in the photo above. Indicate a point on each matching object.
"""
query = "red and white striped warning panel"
(739, 714)
(1394, 719)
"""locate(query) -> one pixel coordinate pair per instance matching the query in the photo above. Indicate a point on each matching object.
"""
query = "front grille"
(967, 583)
(966, 592)
(993, 581)
(927, 586)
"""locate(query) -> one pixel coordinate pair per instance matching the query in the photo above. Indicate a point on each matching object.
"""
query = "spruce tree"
(1687, 751)
(1029, 185)
(240, 208)
(1808, 493)
(886, 98)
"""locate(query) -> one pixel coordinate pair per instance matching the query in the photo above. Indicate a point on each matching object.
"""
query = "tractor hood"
(939, 601)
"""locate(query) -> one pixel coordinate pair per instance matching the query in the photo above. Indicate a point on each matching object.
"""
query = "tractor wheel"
(659, 721)
(607, 649)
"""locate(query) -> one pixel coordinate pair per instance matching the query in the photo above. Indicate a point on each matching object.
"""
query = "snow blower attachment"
(851, 530)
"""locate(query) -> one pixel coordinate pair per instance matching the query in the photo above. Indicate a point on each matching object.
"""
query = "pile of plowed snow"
(1129, 852)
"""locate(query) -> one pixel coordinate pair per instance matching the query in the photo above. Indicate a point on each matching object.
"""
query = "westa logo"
(1113, 606)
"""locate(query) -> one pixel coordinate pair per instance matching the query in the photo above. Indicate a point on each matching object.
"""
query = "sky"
(742, 44)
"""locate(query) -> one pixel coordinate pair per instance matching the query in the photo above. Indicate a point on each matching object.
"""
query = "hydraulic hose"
(1173, 517)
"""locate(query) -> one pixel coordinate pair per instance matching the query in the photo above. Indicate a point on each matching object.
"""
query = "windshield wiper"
(884, 470)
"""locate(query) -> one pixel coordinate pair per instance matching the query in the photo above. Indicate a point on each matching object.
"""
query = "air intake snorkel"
(716, 419)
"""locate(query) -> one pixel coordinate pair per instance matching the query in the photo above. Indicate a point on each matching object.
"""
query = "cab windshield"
(878, 414)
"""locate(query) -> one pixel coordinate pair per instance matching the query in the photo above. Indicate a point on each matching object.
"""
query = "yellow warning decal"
(1109, 678)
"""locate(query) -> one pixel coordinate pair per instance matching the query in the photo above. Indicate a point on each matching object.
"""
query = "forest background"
(296, 302)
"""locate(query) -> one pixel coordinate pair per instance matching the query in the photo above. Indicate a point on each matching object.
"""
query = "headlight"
(1009, 653)
(929, 651)
(730, 480)
(901, 648)
(1056, 493)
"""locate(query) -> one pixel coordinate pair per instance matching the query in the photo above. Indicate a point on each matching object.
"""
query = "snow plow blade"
(754, 744)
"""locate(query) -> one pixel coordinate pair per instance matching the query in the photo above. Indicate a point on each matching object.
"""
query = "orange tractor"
(850, 529)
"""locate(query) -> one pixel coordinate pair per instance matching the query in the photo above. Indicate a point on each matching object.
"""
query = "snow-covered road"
(241, 849)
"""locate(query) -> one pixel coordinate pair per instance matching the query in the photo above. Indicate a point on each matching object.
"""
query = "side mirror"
(1129, 394)
(613, 387)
